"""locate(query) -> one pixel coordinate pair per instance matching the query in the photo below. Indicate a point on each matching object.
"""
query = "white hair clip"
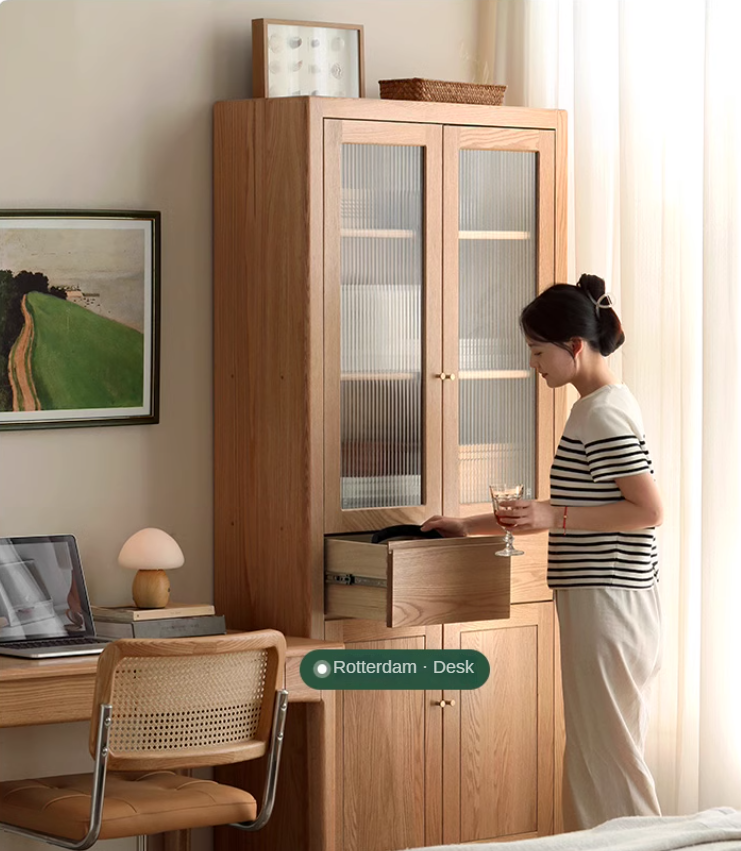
(598, 302)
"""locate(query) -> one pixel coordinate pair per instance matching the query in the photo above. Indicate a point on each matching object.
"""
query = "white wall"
(106, 104)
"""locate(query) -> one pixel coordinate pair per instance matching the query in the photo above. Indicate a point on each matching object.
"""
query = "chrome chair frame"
(99, 777)
(271, 776)
(96, 800)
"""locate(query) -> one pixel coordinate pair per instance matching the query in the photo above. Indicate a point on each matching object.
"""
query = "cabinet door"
(382, 256)
(389, 751)
(499, 739)
(499, 251)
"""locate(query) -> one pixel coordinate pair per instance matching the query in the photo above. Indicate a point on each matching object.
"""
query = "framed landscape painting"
(79, 318)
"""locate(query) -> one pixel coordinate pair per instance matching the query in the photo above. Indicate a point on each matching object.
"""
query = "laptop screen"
(42, 589)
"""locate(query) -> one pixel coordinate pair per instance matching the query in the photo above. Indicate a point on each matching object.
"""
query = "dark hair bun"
(611, 335)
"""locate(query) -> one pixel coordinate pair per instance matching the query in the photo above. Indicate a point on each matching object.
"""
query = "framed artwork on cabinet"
(294, 58)
(79, 318)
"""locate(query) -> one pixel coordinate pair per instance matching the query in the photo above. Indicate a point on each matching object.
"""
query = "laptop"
(44, 607)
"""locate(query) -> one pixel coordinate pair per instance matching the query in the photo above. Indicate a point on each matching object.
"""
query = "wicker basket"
(416, 88)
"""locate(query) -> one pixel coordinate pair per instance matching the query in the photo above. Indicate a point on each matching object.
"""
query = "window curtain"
(653, 94)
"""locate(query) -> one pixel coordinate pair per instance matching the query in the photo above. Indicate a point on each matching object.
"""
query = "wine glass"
(501, 496)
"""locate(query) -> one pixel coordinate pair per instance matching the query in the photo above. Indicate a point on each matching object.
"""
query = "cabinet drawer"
(412, 583)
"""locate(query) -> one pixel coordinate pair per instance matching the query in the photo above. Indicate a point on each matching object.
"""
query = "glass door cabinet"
(371, 260)
(436, 237)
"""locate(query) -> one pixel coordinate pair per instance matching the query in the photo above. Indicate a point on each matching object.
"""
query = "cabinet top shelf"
(467, 115)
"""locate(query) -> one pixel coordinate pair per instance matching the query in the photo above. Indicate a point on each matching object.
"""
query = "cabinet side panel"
(233, 240)
(265, 461)
(265, 496)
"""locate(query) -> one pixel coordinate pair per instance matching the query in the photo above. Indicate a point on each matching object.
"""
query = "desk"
(55, 691)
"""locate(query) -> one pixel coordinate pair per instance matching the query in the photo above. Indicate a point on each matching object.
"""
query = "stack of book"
(175, 620)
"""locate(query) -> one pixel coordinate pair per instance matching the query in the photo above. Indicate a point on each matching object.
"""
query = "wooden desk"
(55, 691)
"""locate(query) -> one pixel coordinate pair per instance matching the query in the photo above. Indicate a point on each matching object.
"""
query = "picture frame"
(79, 318)
(307, 58)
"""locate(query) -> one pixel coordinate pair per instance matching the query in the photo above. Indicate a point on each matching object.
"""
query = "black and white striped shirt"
(603, 440)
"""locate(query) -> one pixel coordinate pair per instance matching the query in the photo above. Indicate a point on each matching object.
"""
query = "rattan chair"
(163, 705)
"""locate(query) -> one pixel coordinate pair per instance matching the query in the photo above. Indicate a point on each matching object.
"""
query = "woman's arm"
(640, 508)
(477, 524)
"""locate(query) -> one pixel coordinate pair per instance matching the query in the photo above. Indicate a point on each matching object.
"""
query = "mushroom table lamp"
(151, 552)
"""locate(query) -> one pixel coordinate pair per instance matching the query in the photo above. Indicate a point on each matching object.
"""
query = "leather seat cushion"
(136, 803)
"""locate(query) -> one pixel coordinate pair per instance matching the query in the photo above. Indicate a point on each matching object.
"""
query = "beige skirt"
(610, 656)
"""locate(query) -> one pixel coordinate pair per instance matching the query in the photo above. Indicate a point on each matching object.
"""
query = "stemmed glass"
(501, 496)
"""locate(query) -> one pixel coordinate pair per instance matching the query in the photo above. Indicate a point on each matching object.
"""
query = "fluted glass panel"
(497, 278)
(381, 285)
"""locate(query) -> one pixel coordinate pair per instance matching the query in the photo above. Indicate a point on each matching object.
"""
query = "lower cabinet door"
(389, 751)
(422, 768)
(498, 758)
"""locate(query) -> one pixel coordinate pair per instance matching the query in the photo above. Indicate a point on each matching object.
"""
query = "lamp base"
(151, 589)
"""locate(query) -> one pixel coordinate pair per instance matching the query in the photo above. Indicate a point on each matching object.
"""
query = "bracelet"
(565, 513)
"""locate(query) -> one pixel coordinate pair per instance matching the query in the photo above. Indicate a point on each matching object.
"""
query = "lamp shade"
(151, 549)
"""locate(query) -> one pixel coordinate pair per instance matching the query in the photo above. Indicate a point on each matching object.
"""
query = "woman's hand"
(450, 527)
(525, 517)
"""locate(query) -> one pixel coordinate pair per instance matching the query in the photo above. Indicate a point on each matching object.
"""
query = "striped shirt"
(603, 440)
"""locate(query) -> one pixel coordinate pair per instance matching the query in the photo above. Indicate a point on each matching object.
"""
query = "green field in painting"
(82, 360)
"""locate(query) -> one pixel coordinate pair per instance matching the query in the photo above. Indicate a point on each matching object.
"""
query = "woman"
(602, 559)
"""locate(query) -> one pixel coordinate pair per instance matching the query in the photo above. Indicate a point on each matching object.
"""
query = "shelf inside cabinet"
(386, 233)
(493, 234)
(476, 374)
(380, 376)
(463, 375)
(373, 233)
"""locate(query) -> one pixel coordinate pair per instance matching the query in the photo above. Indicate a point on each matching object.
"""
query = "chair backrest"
(187, 702)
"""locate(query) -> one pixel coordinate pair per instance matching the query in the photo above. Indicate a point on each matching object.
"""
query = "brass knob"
(445, 703)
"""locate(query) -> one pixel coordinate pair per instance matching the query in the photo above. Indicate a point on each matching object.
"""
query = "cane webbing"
(163, 703)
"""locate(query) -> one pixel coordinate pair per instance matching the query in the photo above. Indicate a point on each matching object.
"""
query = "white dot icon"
(321, 668)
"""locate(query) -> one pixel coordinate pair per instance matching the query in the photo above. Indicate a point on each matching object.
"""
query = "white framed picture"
(305, 58)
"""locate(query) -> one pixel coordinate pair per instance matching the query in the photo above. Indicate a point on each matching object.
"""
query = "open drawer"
(410, 583)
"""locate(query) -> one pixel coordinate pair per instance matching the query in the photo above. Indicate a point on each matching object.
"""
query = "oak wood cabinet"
(370, 262)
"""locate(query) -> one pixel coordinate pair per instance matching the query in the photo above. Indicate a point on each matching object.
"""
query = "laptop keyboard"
(52, 642)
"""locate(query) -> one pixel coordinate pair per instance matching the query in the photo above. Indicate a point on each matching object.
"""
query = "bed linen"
(717, 829)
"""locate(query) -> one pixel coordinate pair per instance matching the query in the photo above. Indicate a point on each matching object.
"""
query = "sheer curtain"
(652, 90)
